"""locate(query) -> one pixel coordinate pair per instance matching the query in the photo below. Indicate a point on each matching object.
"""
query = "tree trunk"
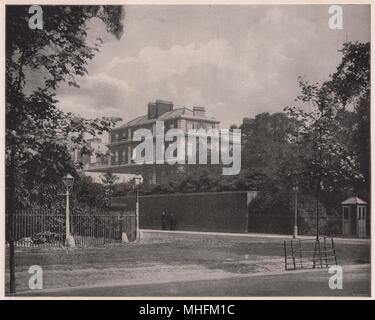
(10, 207)
(317, 210)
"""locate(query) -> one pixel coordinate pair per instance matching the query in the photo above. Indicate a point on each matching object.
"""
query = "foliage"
(333, 138)
(109, 178)
(269, 148)
(37, 133)
(204, 181)
(281, 204)
(91, 194)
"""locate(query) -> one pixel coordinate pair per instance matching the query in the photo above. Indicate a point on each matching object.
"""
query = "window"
(116, 137)
(123, 156)
(361, 213)
(116, 156)
(346, 213)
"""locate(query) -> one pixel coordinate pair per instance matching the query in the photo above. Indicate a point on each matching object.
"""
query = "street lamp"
(295, 228)
(68, 182)
(137, 181)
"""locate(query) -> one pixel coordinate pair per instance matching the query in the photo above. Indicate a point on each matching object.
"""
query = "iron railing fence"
(95, 229)
(39, 228)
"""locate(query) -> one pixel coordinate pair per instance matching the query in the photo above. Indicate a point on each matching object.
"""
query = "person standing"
(172, 222)
(164, 220)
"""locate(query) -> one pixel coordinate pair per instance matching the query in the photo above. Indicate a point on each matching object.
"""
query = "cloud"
(98, 94)
(158, 64)
(245, 62)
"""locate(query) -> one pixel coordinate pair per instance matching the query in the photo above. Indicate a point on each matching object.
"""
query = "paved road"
(165, 234)
(356, 282)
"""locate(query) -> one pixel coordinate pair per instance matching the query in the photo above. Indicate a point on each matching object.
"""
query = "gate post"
(124, 236)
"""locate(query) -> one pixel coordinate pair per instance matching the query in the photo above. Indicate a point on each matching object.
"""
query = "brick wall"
(213, 211)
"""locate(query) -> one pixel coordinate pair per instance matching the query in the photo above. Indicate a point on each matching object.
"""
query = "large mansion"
(121, 143)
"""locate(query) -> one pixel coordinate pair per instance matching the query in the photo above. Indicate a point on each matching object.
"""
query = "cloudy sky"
(236, 61)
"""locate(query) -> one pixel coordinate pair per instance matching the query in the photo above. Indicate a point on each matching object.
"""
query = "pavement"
(151, 233)
(299, 283)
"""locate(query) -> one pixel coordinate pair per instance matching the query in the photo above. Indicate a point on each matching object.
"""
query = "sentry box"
(354, 212)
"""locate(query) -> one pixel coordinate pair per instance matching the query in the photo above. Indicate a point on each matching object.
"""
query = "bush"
(279, 207)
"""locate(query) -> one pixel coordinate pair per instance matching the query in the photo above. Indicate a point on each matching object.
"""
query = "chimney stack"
(199, 111)
(158, 108)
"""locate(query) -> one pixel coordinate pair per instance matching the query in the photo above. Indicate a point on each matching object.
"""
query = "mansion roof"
(181, 113)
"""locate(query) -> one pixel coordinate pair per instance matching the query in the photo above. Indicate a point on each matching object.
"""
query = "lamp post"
(68, 182)
(295, 228)
(319, 187)
(137, 181)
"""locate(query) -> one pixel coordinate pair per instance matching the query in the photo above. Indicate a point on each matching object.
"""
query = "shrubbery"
(282, 204)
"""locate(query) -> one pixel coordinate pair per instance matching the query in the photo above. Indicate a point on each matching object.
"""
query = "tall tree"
(269, 147)
(37, 133)
(334, 136)
(351, 84)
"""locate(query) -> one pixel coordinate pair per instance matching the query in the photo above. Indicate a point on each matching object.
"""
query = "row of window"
(361, 213)
(122, 157)
(196, 125)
